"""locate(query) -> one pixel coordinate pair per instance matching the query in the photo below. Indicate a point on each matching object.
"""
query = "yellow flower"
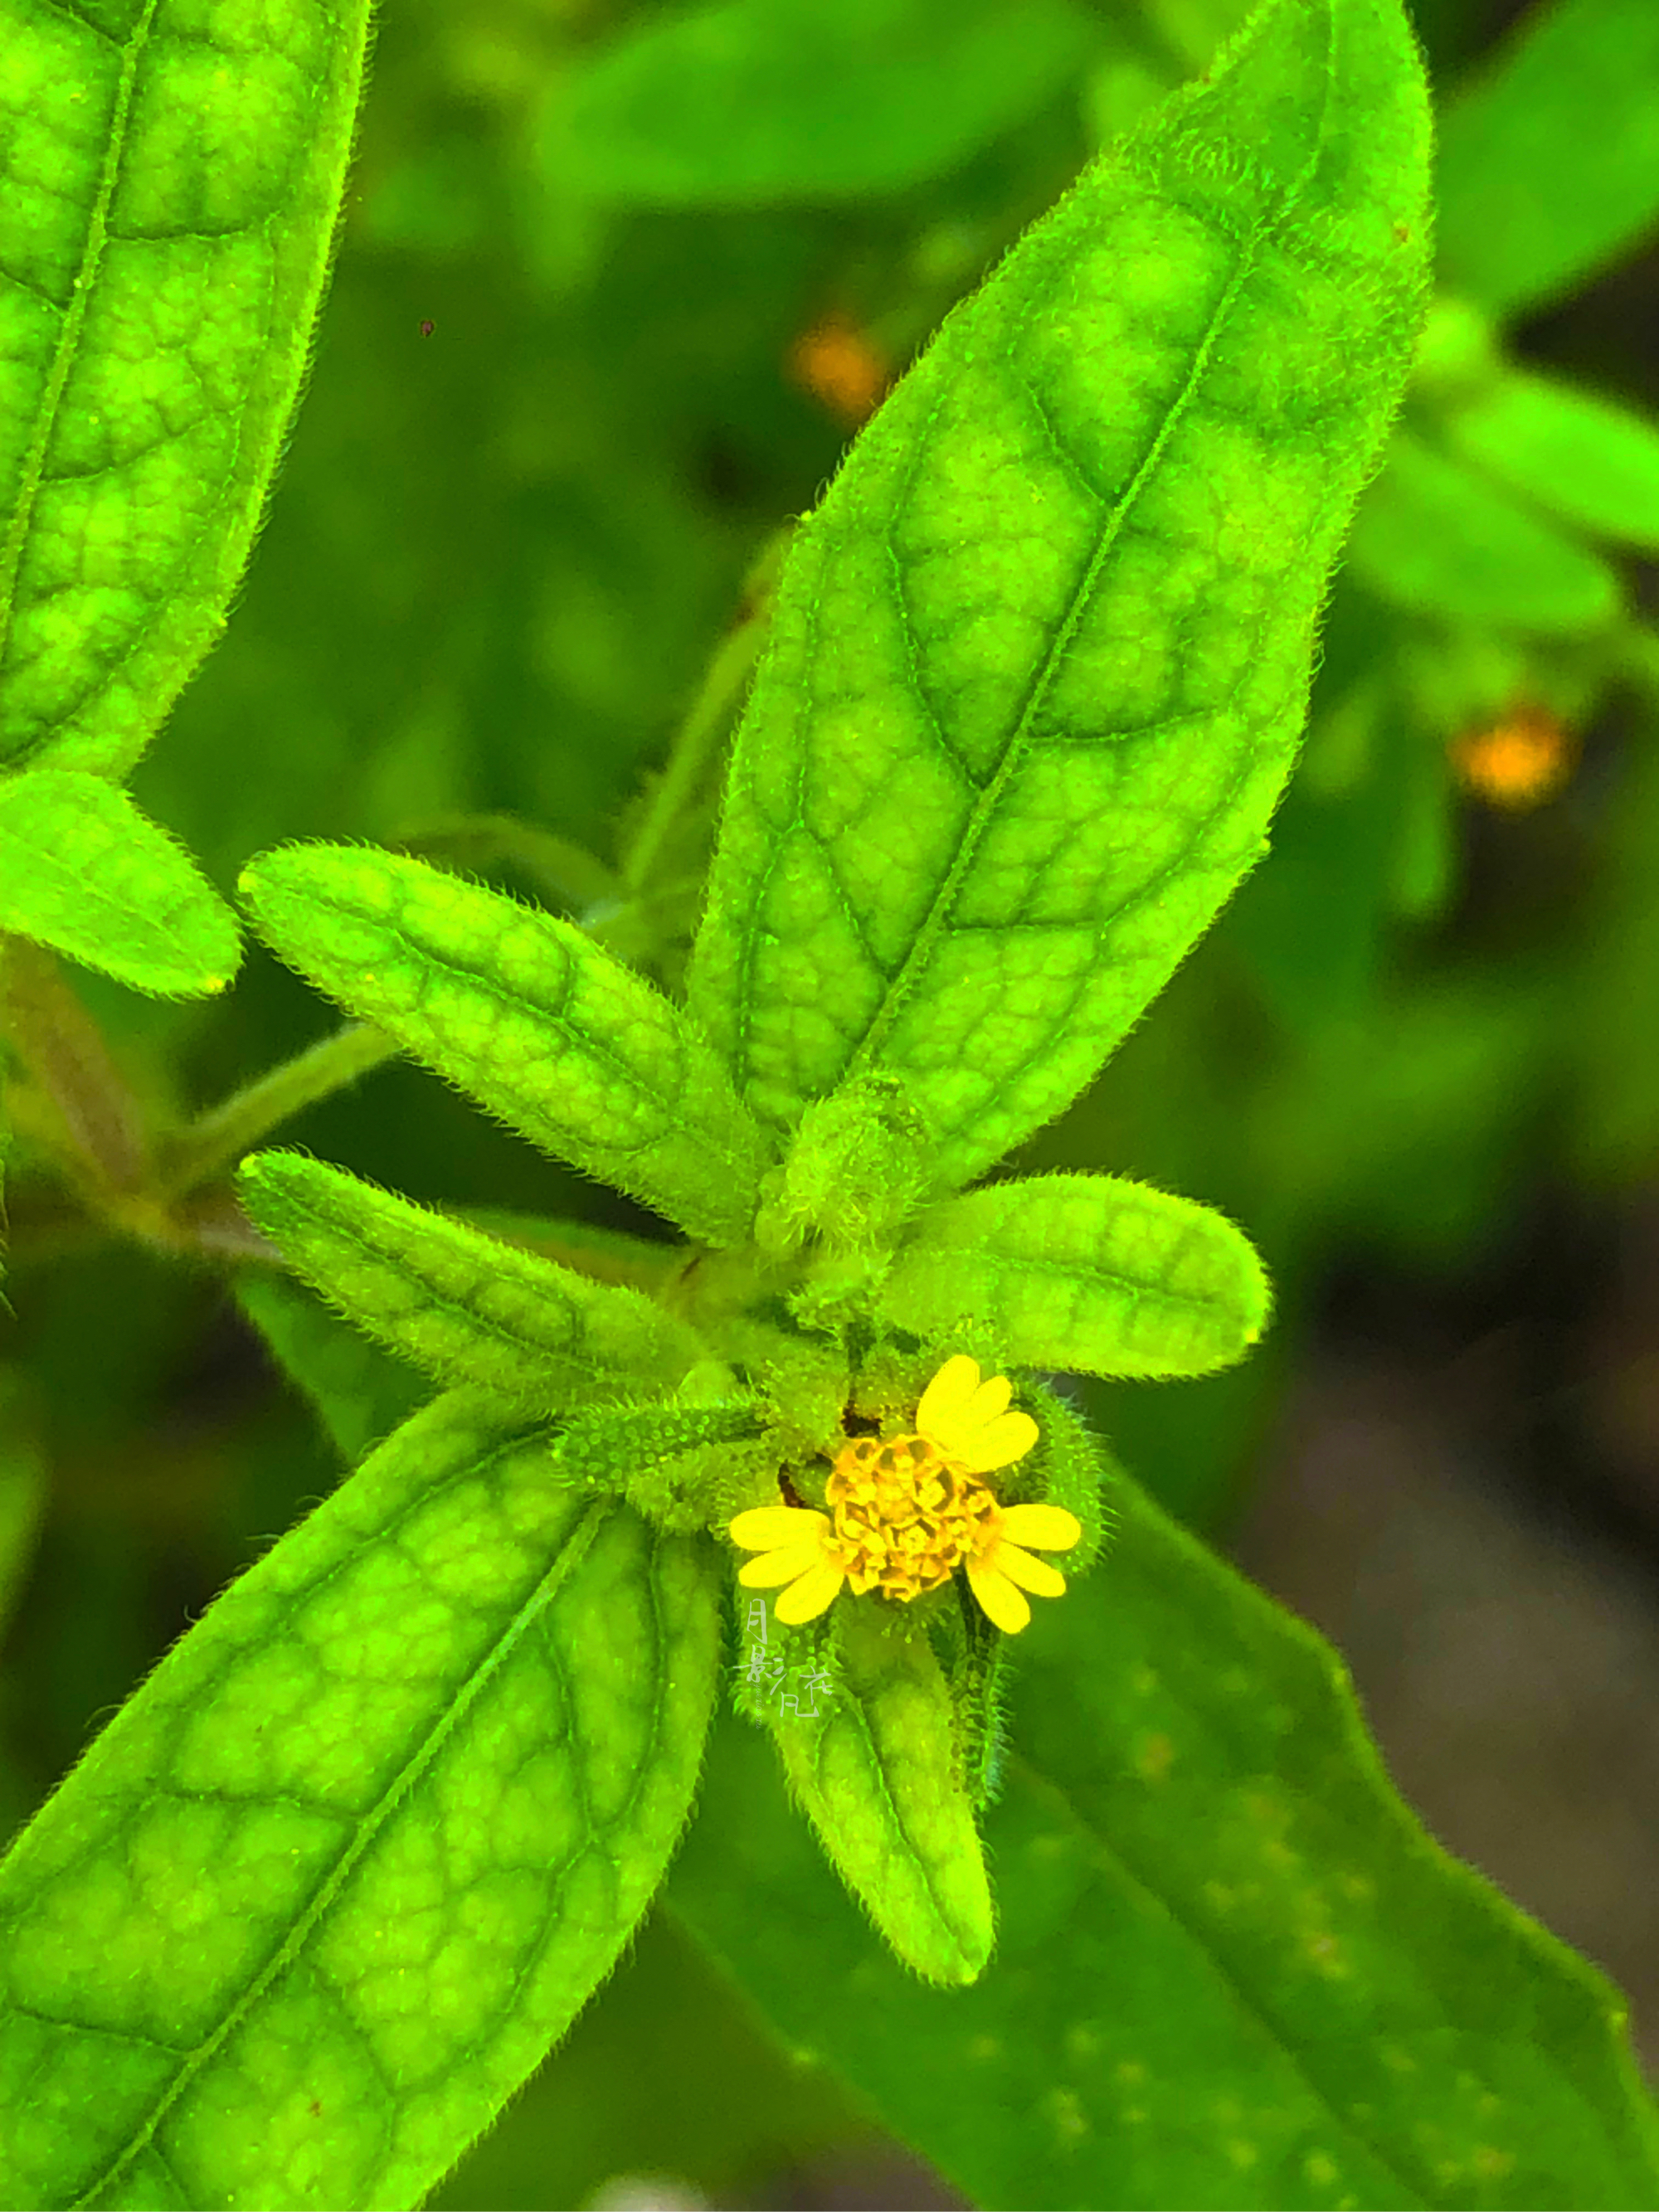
(909, 1512)
(1517, 762)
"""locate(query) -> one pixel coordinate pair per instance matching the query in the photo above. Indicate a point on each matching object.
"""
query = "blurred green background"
(589, 347)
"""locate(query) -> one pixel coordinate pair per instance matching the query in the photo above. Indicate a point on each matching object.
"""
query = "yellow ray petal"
(1031, 1574)
(812, 1595)
(990, 1398)
(946, 1396)
(1050, 1527)
(998, 1595)
(765, 1526)
(775, 1567)
(997, 1443)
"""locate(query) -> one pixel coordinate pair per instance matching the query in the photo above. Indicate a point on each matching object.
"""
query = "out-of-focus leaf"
(1333, 849)
(1548, 167)
(1232, 1968)
(22, 1490)
(1433, 536)
(1039, 662)
(1589, 460)
(170, 174)
(82, 871)
(750, 102)
(359, 1393)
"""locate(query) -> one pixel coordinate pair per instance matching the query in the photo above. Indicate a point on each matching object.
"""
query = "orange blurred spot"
(1516, 762)
(838, 365)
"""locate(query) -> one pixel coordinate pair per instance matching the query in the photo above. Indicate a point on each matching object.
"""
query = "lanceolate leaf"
(876, 1770)
(1587, 459)
(1529, 200)
(1040, 661)
(1090, 1273)
(322, 1894)
(463, 1305)
(526, 1014)
(1230, 1968)
(82, 871)
(1434, 537)
(169, 181)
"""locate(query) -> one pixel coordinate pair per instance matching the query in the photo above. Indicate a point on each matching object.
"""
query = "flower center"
(906, 1516)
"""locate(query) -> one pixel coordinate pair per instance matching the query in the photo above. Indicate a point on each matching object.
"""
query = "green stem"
(221, 1136)
(700, 736)
(93, 1123)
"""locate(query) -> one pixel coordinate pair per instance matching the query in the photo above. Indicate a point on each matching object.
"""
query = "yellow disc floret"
(906, 1511)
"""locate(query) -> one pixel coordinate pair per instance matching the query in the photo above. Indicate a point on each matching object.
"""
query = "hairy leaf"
(170, 174)
(82, 871)
(1230, 1967)
(750, 102)
(1531, 199)
(1040, 661)
(605, 1256)
(1087, 1272)
(877, 1771)
(462, 1304)
(324, 1892)
(528, 1016)
(1434, 537)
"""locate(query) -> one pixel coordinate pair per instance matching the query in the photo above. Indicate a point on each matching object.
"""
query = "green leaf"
(873, 1764)
(1587, 459)
(1093, 1274)
(169, 183)
(358, 1393)
(1039, 662)
(1232, 1969)
(322, 1895)
(753, 102)
(527, 1015)
(1547, 168)
(606, 1256)
(462, 1304)
(82, 871)
(1433, 536)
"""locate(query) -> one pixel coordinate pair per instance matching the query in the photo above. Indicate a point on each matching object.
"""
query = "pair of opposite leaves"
(527, 1015)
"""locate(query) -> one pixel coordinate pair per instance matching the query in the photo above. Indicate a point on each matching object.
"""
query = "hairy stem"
(221, 1136)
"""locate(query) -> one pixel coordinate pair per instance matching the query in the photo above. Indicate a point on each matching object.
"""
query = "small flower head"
(906, 1513)
(838, 363)
(1516, 762)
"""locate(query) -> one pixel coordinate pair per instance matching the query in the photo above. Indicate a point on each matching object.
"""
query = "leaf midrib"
(649, 1083)
(936, 921)
(86, 276)
(578, 1541)
(1039, 1782)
